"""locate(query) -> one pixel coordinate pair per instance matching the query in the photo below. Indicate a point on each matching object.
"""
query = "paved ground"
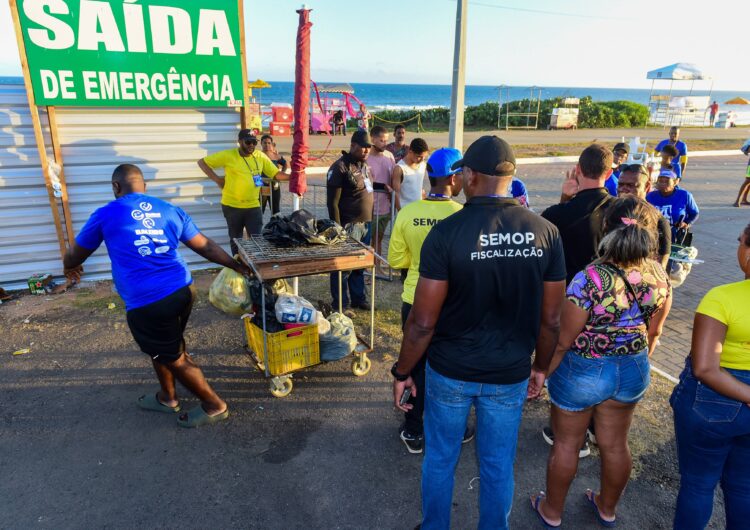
(76, 453)
(653, 134)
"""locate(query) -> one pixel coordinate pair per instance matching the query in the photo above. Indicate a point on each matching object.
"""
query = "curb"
(664, 374)
(557, 160)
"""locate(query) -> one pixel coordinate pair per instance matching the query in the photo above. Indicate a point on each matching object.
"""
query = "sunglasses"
(633, 167)
(250, 141)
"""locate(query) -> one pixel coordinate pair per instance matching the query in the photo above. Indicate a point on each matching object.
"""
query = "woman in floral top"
(609, 327)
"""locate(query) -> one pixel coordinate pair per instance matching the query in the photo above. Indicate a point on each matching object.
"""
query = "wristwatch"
(398, 376)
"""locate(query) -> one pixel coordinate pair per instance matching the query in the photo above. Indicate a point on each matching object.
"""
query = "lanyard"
(438, 196)
(255, 162)
(496, 196)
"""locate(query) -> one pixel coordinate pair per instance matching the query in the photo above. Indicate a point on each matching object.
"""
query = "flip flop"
(590, 497)
(197, 417)
(151, 402)
(535, 500)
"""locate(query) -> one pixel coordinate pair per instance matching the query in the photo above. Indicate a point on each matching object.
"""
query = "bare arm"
(74, 258)
(549, 331)
(705, 355)
(396, 176)
(572, 321)
(657, 323)
(210, 173)
(333, 197)
(420, 326)
(207, 248)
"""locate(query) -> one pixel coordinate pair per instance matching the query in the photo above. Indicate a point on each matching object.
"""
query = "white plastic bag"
(340, 341)
(291, 309)
(230, 292)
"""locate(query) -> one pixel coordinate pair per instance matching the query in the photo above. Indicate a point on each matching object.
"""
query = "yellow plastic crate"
(288, 350)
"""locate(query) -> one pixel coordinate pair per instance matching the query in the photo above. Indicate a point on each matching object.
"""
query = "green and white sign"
(134, 53)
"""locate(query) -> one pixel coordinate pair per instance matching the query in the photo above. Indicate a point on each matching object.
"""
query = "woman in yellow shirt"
(244, 169)
(712, 406)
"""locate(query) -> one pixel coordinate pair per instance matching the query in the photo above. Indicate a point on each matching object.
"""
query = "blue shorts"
(580, 383)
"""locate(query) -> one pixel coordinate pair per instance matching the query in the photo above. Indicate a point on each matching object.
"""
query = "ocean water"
(391, 96)
(378, 96)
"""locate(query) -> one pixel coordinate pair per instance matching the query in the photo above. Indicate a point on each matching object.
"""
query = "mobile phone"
(405, 396)
(378, 186)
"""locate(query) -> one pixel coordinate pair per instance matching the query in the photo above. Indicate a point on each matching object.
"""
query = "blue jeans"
(580, 383)
(713, 446)
(352, 282)
(447, 405)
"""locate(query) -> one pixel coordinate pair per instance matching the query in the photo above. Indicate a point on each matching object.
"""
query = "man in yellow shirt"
(244, 169)
(410, 229)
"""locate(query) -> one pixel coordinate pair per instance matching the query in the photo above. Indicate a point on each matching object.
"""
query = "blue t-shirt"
(611, 184)
(142, 234)
(679, 204)
(680, 146)
(518, 191)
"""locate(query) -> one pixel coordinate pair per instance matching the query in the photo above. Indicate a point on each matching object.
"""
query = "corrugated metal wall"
(28, 238)
(165, 143)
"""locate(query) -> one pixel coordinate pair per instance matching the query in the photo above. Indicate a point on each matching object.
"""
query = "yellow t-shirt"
(729, 305)
(412, 225)
(239, 189)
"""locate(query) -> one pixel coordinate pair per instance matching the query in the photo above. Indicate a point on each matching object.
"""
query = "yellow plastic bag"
(230, 292)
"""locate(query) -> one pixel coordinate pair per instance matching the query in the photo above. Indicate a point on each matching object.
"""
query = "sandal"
(151, 402)
(535, 500)
(591, 498)
(197, 416)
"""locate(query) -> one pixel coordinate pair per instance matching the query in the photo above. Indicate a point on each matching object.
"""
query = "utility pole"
(456, 130)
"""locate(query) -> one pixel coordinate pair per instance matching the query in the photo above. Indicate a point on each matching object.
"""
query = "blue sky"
(603, 43)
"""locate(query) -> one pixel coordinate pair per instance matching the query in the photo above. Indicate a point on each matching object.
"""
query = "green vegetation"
(592, 115)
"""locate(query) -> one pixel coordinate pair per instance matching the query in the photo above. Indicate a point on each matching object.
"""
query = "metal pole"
(295, 207)
(456, 131)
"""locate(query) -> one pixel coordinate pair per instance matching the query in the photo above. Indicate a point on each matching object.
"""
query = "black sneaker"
(469, 434)
(549, 437)
(414, 442)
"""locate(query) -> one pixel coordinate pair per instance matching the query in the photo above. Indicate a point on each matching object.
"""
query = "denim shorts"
(580, 383)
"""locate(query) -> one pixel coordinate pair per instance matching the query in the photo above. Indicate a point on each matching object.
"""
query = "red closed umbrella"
(298, 179)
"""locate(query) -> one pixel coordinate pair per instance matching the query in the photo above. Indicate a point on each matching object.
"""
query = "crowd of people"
(497, 303)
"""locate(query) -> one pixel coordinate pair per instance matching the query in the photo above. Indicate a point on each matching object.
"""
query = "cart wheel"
(280, 387)
(361, 365)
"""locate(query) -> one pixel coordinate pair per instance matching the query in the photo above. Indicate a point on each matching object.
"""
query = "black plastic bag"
(301, 228)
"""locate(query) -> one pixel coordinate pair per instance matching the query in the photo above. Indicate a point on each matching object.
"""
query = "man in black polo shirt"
(580, 219)
(349, 201)
(492, 281)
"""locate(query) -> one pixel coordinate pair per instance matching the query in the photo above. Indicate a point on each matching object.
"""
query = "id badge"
(258, 180)
(368, 184)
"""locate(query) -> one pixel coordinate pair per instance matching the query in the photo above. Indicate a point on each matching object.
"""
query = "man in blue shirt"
(676, 204)
(142, 234)
(682, 150)
(619, 156)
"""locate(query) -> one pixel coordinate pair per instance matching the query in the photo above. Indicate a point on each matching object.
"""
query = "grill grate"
(258, 250)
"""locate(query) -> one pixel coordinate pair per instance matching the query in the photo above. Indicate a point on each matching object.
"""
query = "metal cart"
(270, 262)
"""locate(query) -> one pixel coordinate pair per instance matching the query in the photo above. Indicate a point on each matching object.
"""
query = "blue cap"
(440, 162)
(668, 173)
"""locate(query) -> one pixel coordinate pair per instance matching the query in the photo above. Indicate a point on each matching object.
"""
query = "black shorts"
(158, 326)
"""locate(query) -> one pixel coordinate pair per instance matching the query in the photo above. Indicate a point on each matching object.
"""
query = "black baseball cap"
(362, 138)
(621, 146)
(486, 155)
(247, 134)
